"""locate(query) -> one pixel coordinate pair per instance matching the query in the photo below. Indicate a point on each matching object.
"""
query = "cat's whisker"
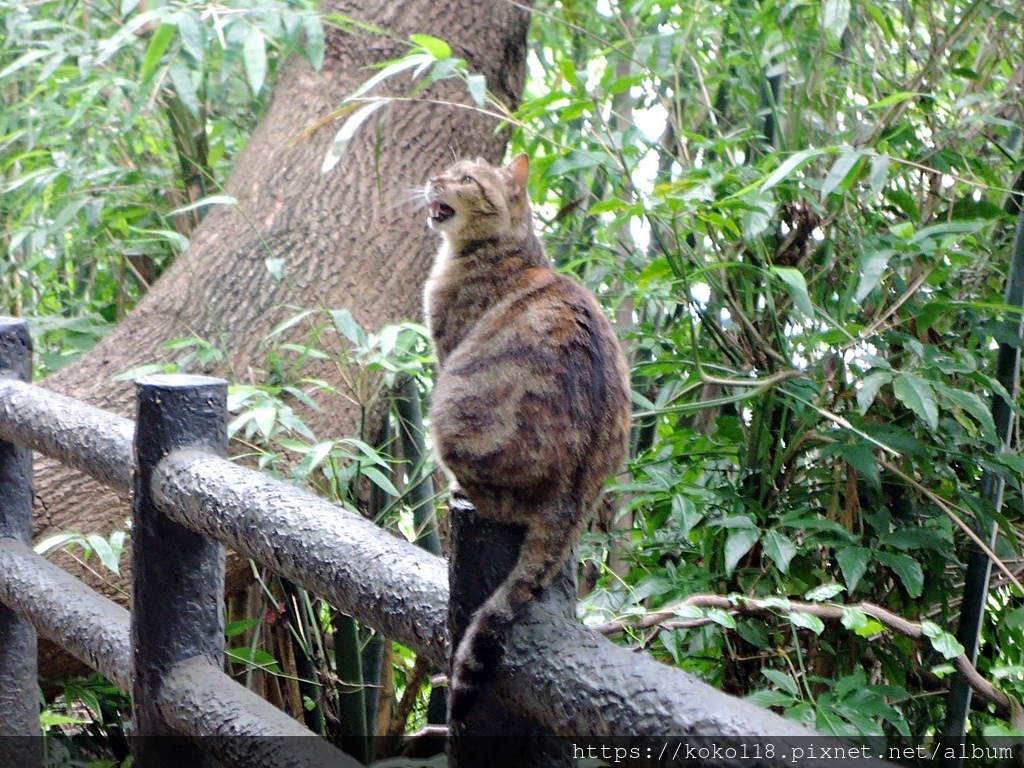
(409, 197)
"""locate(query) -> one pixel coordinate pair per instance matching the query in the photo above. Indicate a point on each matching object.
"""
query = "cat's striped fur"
(530, 410)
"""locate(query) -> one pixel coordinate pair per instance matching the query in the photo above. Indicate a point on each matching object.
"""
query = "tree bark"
(346, 237)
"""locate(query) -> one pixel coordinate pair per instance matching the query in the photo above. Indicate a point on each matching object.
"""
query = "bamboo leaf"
(435, 46)
(797, 286)
(155, 51)
(191, 35)
(835, 17)
(840, 171)
(254, 60)
(791, 165)
(347, 132)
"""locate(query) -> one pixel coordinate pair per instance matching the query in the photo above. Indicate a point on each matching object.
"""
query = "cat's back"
(540, 380)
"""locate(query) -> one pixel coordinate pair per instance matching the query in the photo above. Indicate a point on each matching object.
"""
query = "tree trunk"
(346, 238)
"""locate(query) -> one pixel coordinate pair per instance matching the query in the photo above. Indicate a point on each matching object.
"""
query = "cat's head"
(473, 200)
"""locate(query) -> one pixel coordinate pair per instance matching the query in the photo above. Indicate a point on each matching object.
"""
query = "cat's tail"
(544, 551)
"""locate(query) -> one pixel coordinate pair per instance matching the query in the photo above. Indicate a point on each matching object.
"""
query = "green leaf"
(879, 173)
(970, 402)
(380, 480)
(840, 171)
(317, 453)
(477, 86)
(767, 699)
(393, 68)
(796, 284)
(104, 552)
(906, 568)
(872, 266)
(721, 617)
(863, 459)
(809, 621)
(155, 51)
(853, 619)
(51, 544)
(783, 681)
(793, 163)
(894, 98)
(835, 17)
(205, 201)
(348, 131)
(758, 214)
(853, 562)
(50, 719)
(191, 35)
(348, 326)
(264, 417)
(869, 387)
(948, 228)
(254, 60)
(254, 657)
(181, 79)
(737, 544)
(240, 627)
(435, 46)
(780, 549)
(314, 30)
(918, 395)
(942, 641)
(824, 592)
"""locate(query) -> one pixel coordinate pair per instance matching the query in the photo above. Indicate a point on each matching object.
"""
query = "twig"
(1006, 707)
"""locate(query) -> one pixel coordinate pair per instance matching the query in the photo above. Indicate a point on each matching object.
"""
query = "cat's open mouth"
(439, 212)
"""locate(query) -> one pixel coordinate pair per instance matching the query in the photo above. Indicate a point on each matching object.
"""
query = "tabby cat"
(531, 405)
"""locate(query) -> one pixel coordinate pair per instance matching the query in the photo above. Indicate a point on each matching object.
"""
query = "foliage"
(84, 725)
(800, 215)
(799, 207)
(117, 126)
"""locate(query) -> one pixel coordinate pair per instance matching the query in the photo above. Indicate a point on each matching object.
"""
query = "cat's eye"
(467, 180)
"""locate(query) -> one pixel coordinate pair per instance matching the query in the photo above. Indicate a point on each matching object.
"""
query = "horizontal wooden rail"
(580, 684)
(360, 569)
(238, 727)
(78, 435)
(90, 627)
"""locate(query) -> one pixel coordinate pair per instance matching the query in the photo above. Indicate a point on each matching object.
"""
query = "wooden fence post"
(20, 734)
(177, 574)
(495, 734)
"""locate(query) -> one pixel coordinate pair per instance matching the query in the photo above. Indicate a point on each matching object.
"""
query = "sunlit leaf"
(797, 286)
(435, 46)
(841, 170)
(942, 641)
(835, 16)
(919, 396)
(824, 592)
(155, 51)
(347, 132)
(254, 59)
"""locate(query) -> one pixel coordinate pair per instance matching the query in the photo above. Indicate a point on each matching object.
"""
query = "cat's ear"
(519, 170)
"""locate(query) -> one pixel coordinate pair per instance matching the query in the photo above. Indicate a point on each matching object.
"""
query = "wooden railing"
(188, 503)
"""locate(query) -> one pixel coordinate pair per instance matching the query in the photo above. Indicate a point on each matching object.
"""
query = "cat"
(531, 405)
